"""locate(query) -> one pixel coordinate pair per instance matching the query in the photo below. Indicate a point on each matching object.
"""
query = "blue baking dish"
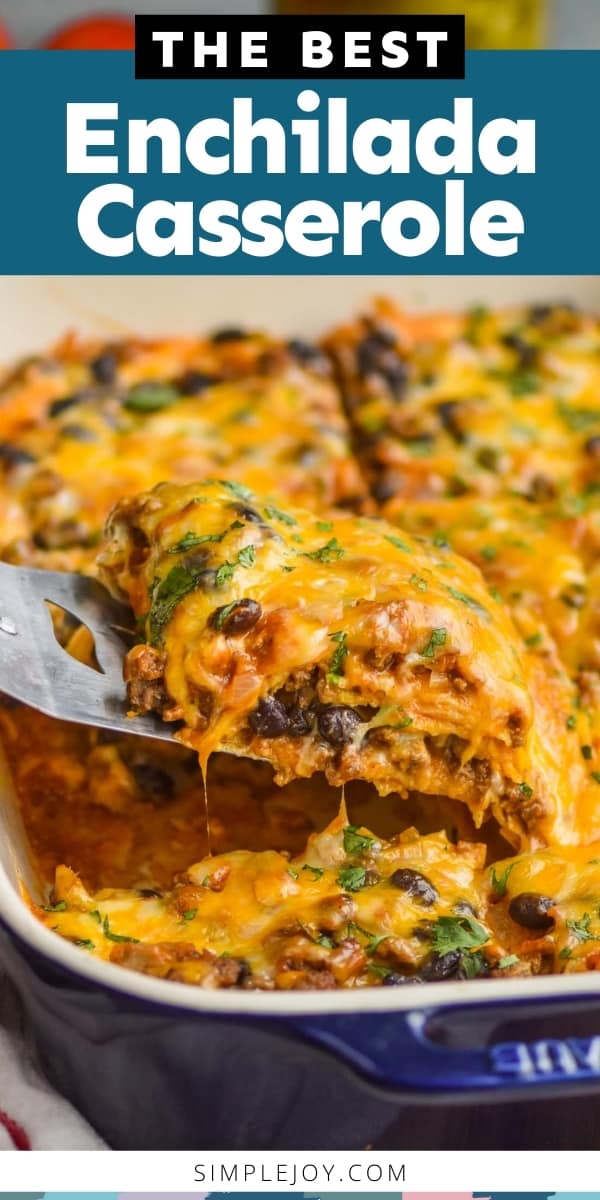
(159, 1065)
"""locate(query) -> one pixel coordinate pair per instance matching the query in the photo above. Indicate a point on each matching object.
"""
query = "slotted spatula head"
(35, 669)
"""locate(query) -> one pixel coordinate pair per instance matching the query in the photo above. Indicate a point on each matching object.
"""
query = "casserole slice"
(350, 911)
(336, 645)
(89, 424)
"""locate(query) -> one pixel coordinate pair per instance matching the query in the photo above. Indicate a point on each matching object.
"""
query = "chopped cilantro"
(571, 721)
(472, 965)
(534, 639)
(224, 574)
(441, 541)
(587, 752)
(150, 397)
(595, 776)
(189, 914)
(115, 937)
(96, 915)
(418, 582)
(468, 600)
(488, 553)
(318, 872)
(247, 556)
(525, 790)
(238, 489)
(276, 514)
(85, 943)
(190, 540)
(402, 724)
(60, 907)
(398, 543)
(323, 940)
(222, 614)
(180, 580)
(524, 383)
(336, 666)
(330, 552)
(438, 638)
(324, 526)
(509, 960)
(355, 842)
(352, 879)
(292, 873)
(499, 882)
(457, 933)
(581, 929)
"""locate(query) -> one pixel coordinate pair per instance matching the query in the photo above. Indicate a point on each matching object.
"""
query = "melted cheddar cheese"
(336, 646)
(450, 656)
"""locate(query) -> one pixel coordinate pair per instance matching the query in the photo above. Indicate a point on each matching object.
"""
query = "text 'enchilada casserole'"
(369, 563)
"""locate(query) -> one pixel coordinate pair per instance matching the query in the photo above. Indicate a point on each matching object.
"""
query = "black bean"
(395, 979)
(526, 353)
(538, 313)
(414, 884)
(465, 909)
(148, 893)
(488, 457)
(270, 718)
(530, 909)
(14, 456)
(65, 402)
(338, 724)
(192, 383)
(104, 367)
(242, 617)
(385, 487)
(79, 433)
(441, 966)
(541, 488)
(248, 514)
(309, 354)
(299, 722)
(592, 446)
(156, 785)
(375, 356)
(230, 333)
(449, 413)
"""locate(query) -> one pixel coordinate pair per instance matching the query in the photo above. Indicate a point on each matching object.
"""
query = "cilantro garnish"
(191, 539)
(330, 552)
(499, 882)
(151, 397)
(60, 907)
(292, 873)
(180, 580)
(85, 943)
(335, 672)
(509, 960)
(581, 929)
(470, 602)
(352, 879)
(355, 842)
(276, 514)
(189, 914)
(318, 872)
(418, 582)
(398, 543)
(438, 638)
(457, 933)
(115, 937)
(525, 790)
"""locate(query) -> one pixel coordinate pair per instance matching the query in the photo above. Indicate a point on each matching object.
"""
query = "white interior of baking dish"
(36, 310)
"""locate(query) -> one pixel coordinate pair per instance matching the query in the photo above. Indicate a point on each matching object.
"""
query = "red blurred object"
(94, 33)
(6, 42)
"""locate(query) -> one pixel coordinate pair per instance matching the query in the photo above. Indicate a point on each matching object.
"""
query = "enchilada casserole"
(368, 564)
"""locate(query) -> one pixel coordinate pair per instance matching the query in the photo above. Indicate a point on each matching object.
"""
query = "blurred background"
(562, 24)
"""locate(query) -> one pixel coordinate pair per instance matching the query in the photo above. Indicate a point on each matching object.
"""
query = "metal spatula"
(35, 669)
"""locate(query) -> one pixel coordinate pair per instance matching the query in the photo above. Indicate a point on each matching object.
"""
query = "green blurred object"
(491, 24)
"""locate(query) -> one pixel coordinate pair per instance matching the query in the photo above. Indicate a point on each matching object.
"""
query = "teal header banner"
(106, 174)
